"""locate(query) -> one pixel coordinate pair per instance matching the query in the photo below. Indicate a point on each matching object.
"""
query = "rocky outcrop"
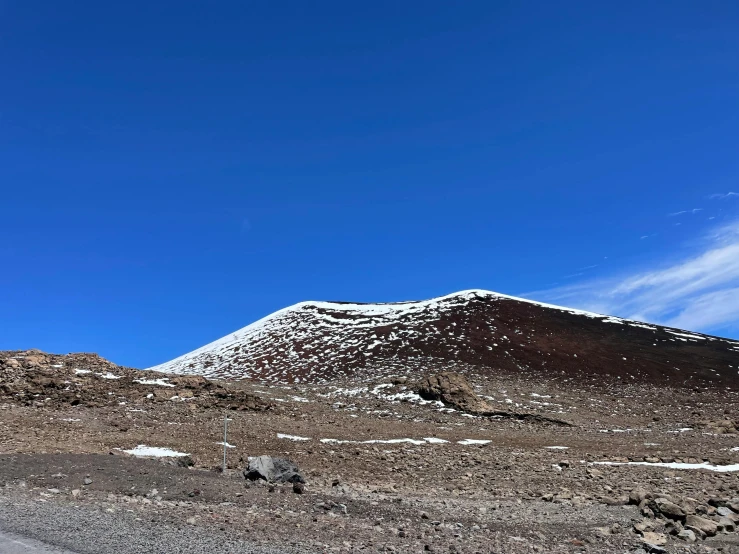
(455, 392)
(34, 378)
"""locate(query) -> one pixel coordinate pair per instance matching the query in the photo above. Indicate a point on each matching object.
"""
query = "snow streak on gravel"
(417, 442)
(154, 452)
(108, 375)
(675, 465)
(158, 382)
(292, 437)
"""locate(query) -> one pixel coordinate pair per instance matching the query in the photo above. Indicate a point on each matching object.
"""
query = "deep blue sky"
(172, 171)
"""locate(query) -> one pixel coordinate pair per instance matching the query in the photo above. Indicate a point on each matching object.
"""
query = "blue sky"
(172, 172)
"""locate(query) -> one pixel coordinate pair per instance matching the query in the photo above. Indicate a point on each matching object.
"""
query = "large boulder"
(273, 470)
(454, 391)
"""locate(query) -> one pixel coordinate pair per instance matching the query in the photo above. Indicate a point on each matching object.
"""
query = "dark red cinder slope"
(470, 331)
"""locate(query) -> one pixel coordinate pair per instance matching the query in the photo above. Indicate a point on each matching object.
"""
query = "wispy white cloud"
(699, 291)
(723, 196)
(693, 211)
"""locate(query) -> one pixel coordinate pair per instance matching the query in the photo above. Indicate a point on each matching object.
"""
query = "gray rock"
(184, 461)
(273, 470)
(726, 524)
(637, 496)
(701, 524)
(673, 527)
(723, 511)
(687, 535)
(668, 509)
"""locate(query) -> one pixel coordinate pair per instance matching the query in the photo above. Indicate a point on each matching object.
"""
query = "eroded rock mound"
(455, 392)
(35, 378)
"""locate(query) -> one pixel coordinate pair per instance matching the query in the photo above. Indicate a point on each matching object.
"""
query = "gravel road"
(30, 527)
(15, 544)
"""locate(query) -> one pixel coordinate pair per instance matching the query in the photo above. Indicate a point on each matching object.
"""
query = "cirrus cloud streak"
(700, 291)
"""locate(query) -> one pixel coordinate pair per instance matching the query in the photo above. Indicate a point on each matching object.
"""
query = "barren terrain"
(385, 469)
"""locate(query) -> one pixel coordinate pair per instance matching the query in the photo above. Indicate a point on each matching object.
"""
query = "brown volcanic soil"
(512, 494)
(481, 331)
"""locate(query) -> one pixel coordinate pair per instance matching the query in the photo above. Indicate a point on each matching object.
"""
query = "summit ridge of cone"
(472, 331)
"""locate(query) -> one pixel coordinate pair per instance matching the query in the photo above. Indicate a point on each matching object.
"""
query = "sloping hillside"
(479, 331)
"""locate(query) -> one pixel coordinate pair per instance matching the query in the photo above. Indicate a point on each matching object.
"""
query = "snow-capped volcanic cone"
(480, 331)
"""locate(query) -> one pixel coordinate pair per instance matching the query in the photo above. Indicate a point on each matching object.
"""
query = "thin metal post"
(225, 441)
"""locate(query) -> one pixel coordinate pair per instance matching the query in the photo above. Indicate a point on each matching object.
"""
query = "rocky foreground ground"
(518, 468)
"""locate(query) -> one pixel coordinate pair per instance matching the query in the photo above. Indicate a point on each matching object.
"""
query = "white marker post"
(225, 441)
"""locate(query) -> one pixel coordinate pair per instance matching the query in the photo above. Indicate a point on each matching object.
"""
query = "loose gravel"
(85, 531)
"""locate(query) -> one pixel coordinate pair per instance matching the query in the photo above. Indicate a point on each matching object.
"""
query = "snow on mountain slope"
(476, 330)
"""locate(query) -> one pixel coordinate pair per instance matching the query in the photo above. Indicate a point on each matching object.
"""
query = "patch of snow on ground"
(613, 320)
(408, 396)
(292, 437)
(434, 440)
(675, 465)
(643, 326)
(349, 392)
(417, 442)
(557, 447)
(473, 441)
(154, 452)
(157, 382)
(108, 375)
(393, 441)
(226, 445)
(685, 335)
(82, 371)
